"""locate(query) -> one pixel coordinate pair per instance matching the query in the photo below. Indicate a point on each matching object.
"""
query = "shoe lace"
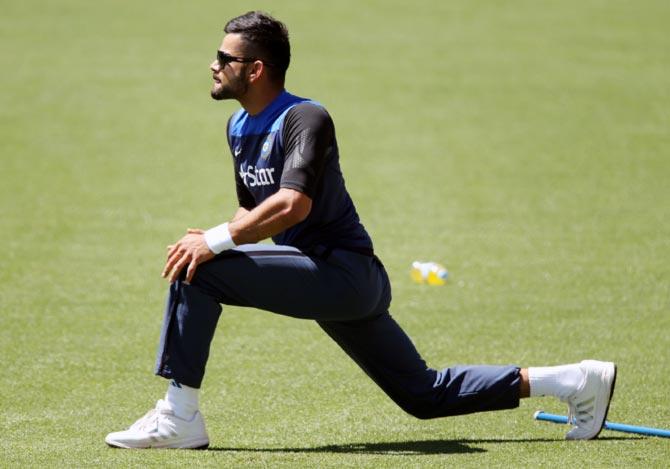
(149, 420)
(580, 413)
(571, 415)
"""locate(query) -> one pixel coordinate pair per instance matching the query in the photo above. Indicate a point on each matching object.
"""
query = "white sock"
(559, 381)
(182, 399)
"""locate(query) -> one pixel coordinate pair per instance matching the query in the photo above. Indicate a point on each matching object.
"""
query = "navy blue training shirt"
(291, 144)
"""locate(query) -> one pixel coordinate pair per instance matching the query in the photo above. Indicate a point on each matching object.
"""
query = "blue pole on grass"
(617, 427)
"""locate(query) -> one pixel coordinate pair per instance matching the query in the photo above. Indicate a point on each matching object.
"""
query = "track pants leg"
(383, 350)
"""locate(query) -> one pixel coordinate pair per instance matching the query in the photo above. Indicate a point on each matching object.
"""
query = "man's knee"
(421, 411)
(420, 406)
(207, 279)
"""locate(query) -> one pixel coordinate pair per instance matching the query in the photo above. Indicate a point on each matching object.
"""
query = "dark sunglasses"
(225, 59)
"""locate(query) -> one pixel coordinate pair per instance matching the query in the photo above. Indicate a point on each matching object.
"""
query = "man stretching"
(321, 267)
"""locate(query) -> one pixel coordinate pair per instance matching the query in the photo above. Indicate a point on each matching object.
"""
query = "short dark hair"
(266, 39)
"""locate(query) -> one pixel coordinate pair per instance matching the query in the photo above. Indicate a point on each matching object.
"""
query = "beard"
(234, 89)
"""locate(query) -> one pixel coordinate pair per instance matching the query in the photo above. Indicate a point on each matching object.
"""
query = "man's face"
(230, 79)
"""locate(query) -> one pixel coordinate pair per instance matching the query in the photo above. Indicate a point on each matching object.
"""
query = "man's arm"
(241, 212)
(275, 214)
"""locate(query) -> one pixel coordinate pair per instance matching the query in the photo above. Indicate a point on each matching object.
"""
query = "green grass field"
(523, 144)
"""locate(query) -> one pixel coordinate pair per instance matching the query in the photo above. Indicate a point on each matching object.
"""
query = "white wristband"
(218, 239)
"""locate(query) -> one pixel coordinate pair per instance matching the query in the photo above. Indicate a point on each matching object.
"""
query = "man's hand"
(192, 250)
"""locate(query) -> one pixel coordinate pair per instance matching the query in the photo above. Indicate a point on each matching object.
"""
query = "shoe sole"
(122, 446)
(609, 401)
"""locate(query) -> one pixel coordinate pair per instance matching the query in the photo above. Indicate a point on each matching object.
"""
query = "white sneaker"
(589, 405)
(161, 428)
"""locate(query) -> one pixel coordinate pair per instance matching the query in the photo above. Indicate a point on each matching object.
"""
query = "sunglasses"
(225, 59)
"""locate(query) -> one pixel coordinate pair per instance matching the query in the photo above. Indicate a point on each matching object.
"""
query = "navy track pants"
(348, 294)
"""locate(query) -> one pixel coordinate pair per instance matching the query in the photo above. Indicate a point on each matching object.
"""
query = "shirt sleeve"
(308, 134)
(244, 197)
